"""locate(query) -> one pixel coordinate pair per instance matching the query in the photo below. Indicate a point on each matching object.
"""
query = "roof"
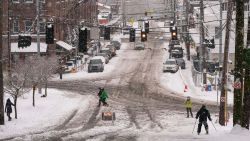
(30, 49)
(64, 45)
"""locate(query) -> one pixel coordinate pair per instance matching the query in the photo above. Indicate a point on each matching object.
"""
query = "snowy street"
(148, 103)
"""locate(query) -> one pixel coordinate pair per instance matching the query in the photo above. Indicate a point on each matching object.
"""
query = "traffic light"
(174, 33)
(143, 36)
(132, 35)
(49, 33)
(24, 41)
(107, 33)
(83, 38)
(209, 43)
(146, 25)
(171, 25)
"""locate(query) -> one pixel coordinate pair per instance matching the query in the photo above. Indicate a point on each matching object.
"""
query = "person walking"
(188, 105)
(203, 114)
(99, 95)
(103, 97)
(8, 108)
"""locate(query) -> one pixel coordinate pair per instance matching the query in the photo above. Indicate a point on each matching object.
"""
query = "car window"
(69, 64)
(96, 61)
(170, 62)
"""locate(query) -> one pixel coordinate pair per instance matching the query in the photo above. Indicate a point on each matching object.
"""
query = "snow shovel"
(194, 125)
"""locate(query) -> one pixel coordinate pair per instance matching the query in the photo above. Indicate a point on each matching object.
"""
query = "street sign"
(222, 99)
(237, 84)
(94, 33)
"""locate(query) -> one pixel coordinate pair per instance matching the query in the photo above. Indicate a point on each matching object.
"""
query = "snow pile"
(47, 114)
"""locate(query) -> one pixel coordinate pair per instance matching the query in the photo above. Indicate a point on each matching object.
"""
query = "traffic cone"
(185, 88)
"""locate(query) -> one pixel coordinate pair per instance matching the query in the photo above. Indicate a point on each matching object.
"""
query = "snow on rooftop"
(64, 45)
(30, 49)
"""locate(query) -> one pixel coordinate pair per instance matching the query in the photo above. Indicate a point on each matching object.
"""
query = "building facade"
(20, 17)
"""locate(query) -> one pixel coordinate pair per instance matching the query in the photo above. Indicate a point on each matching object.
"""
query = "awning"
(30, 49)
(64, 45)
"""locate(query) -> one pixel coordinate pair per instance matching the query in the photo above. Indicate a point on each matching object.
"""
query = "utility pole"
(239, 46)
(223, 97)
(220, 40)
(38, 25)
(1, 69)
(187, 30)
(203, 48)
(9, 40)
(123, 13)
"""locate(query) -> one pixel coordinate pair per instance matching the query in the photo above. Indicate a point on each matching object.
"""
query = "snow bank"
(48, 113)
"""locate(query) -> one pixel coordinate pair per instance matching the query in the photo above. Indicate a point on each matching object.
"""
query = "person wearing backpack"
(203, 114)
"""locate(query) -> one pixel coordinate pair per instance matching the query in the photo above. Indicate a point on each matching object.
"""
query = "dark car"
(107, 51)
(181, 62)
(112, 48)
(176, 53)
(173, 43)
(117, 44)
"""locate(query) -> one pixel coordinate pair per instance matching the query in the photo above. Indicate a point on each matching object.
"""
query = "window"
(28, 1)
(15, 26)
(42, 27)
(28, 26)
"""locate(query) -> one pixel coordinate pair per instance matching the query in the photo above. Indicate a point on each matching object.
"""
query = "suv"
(95, 65)
(170, 65)
(173, 43)
(181, 62)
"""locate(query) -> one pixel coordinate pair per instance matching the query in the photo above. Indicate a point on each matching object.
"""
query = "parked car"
(176, 47)
(139, 46)
(172, 43)
(170, 65)
(112, 49)
(176, 53)
(96, 64)
(107, 51)
(117, 44)
(181, 62)
(126, 30)
(105, 56)
(69, 65)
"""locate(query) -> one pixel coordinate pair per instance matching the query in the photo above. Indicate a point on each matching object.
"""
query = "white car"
(170, 65)
(69, 66)
(139, 46)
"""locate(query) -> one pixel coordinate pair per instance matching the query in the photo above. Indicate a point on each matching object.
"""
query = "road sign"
(222, 99)
(237, 84)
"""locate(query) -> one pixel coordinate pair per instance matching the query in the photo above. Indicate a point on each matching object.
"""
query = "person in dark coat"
(8, 108)
(203, 114)
(99, 95)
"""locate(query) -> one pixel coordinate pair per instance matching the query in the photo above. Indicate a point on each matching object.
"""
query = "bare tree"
(48, 68)
(15, 84)
(34, 78)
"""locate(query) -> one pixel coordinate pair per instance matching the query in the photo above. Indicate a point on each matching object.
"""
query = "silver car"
(139, 46)
(170, 65)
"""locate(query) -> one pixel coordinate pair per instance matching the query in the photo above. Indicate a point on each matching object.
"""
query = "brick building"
(67, 17)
